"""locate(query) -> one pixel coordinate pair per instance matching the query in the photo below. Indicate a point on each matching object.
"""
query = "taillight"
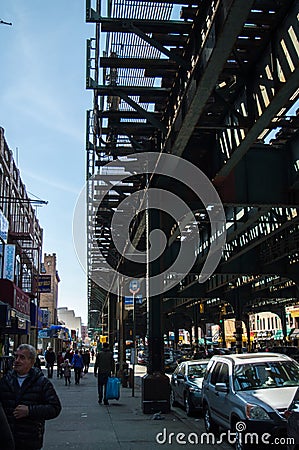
(288, 413)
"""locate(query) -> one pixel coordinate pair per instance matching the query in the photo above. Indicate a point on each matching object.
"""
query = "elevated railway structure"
(215, 83)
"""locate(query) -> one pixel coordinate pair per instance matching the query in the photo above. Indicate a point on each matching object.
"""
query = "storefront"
(56, 336)
(15, 316)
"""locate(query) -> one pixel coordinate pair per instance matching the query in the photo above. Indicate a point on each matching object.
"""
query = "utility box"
(155, 393)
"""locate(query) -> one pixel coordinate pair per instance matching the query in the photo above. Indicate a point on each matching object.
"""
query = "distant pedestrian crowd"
(78, 360)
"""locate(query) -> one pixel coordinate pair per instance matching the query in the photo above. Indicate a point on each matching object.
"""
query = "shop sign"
(3, 227)
(215, 332)
(9, 262)
(44, 283)
(21, 324)
(44, 334)
(21, 302)
(45, 317)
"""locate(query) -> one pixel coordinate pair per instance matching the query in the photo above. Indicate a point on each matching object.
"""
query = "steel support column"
(155, 384)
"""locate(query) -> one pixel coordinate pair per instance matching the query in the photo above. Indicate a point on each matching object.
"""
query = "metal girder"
(231, 27)
(150, 40)
(262, 178)
(147, 26)
(273, 108)
(119, 114)
(269, 165)
(273, 85)
(138, 63)
(142, 112)
(129, 90)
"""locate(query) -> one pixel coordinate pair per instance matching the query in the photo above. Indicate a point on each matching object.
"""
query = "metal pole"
(134, 347)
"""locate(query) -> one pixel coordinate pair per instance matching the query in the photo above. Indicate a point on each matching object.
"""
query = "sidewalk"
(86, 425)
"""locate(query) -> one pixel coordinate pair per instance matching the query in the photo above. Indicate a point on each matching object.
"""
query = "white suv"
(253, 389)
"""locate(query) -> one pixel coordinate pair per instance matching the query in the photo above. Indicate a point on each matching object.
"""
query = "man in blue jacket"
(28, 399)
(77, 364)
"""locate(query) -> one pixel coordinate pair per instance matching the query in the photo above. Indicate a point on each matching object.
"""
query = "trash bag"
(113, 388)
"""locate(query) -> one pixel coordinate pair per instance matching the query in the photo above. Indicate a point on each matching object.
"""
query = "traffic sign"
(129, 303)
(134, 286)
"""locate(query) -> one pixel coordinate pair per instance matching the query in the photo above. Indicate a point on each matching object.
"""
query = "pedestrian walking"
(103, 368)
(77, 364)
(28, 399)
(37, 363)
(67, 370)
(50, 360)
(7, 440)
(60, 360)
(69, 355)
(86, 360)
(92, 354)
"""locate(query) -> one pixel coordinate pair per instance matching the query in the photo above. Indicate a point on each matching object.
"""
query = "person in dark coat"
(68, 355)
(60, 361)
(86, 360)
(28, 399)
(50, 360)
(7, 440)
(37, 363)
(105, 366)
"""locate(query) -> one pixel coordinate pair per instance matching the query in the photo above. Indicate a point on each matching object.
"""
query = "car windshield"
(197, 370)
(266, 375)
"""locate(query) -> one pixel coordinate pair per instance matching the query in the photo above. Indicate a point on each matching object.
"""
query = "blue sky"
(43, 103)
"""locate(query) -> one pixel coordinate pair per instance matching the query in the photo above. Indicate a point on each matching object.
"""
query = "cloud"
(52, 183)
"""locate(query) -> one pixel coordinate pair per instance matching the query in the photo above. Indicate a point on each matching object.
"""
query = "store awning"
(15, 297)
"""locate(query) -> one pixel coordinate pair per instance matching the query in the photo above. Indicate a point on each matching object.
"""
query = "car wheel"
(173, 401)
(239, 444)
(210, 425)
(188, 405)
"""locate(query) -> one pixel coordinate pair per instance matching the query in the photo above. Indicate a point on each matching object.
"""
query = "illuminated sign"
(3, 227)
(9, 262)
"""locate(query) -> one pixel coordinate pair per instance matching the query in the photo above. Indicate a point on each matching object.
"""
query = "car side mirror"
(221, 387)
(180, 376)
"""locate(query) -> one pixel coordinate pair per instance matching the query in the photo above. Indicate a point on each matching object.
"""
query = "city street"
(86, 425)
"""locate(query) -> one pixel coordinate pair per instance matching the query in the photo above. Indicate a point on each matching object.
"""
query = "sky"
(43, 103)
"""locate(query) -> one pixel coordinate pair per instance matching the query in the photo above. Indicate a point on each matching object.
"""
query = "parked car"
(292, 415)
(254, 388)
(142, 357)
(218, 351)
(186, 383)
(170, 363)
